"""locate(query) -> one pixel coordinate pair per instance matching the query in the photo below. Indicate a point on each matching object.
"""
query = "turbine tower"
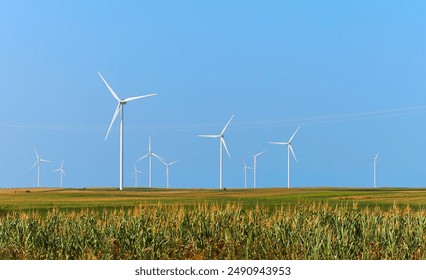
(167, 170)
(135, 174)
(290, 150)
(61, 171)
(222, 143)
(254, 167)
(150, 154)
(38, 161)
(245, 174)
(374, 168)
(120, 108)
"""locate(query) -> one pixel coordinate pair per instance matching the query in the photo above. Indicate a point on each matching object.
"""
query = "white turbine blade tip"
(226, 148)
(117, 110)
(109, 88)
(138, 97)
(36, 153)
(142, 157)
(226, 126)
(157, 156)
(258, 154)
(292, 152)
(294, 134)
(278, 143)
(209, 136)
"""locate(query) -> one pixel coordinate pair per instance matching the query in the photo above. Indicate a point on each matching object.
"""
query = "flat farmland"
(43, 199)
(317, 223)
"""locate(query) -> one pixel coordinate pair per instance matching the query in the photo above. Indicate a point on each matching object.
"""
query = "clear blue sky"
(353, 75)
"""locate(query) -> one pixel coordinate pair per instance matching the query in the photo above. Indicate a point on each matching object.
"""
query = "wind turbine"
(61, 171)
(38, 161)
(254, 167)
(245, 174)
(290, 150)
(135, 174)
(150, 154)
(222, 143)
(374, 167)
(167, 169)
(120, 108)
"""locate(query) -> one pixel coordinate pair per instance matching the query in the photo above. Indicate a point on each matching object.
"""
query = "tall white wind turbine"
(254, 167)
(222, 143)
(374, 168)
(245, 174)
(167, 170)
(120, 108)
(61, 171)
(38, 161)
(290, 150)
(150, 154)
(135, 174)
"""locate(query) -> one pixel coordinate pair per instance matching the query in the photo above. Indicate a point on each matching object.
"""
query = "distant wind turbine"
(120, 107)
(38, 161)
(290, 150)
(222, 143)
(245, 174)
(374, 167)
(167, 170)
(150, 154)
(135, 174)
(254, 167)
(61, 171)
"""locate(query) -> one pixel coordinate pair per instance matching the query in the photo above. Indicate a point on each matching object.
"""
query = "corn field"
(213, 231)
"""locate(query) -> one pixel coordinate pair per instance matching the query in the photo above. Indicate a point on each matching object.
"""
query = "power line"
(241, 124)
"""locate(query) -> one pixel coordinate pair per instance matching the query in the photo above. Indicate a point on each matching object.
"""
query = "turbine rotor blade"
(138, 97)
(292, 152)
(278, 143)
(44, 160)
(36, 154)
(34, 164)
(173, 162)
(226, 126)
(209, 136)
(110, 89)
(294, 134)
(143, 157)
(224, 145)
(117, 110)
(258, 154)
(157, 156)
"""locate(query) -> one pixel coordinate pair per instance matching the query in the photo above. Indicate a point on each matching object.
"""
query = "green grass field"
(102, 198)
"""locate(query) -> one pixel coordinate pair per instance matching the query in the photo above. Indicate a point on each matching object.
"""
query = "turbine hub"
(123, 102)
